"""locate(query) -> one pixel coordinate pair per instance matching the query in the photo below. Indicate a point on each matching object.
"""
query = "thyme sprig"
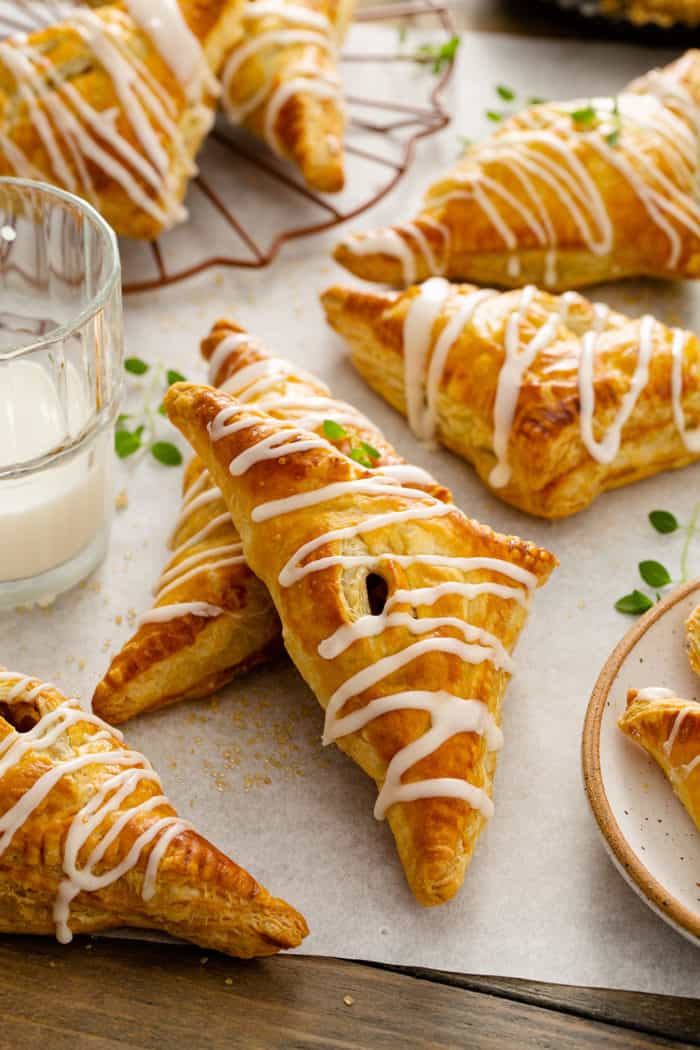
(138, 431)
(654, 573)
(361, 452)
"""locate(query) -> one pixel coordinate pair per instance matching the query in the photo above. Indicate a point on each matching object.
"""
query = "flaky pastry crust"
(692, 638)
(516, 413)
(389, 548)
(562, 195)
(668, 729)
(663, 13)
(89, 842)
(223, 621)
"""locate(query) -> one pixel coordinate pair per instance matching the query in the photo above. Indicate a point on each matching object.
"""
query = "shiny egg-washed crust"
(650, 724)
(692, 640)
(475, 249)
(553, 474)
(201, 895)
(435, 837)
(72, 62)
(663, 13)
(309, 128)
(191, 657)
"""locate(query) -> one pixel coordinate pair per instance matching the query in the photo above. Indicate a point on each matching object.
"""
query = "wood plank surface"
(106, 994)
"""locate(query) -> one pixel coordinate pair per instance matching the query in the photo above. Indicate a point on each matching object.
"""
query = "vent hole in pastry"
(21, 716)
(377, 593)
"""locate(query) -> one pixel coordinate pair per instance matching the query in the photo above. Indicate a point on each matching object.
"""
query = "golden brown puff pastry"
(693, 640)
(663, 13)
(213, 618)
(400, 613)
(562, 195)
(281, 82)
(668, 729)
(113, 104)
(89, 842)
(553, 399)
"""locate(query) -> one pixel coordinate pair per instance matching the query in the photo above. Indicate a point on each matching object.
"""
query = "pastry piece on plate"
(113, 104)
(692, 637)
(663, 13)
(88, 840)
(399, 611)
(668, 728)
(563, 195)
(553, 399)
(213, 618)
(280, 81)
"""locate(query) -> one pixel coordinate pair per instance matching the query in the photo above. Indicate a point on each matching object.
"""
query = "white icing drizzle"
(424, 370)
(256, 381)
(449, 714)
(70, 128)
(654, 692)
(163, 22)
(691, 439)
(166, 613)
(292, 26)
(532, 152)
(388, 242)
(104, 804)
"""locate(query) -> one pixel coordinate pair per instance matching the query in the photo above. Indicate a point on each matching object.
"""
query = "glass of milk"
(60, 382)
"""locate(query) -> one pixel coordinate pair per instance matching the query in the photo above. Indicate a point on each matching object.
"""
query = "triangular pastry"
(280, 81)
(89, 842)
(113, 104)
(553, 399)
(562, 195)
(213, 618)
(400, 613)
(692, 637)
(668, 728)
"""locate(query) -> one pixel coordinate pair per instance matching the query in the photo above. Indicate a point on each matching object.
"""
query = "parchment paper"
(541, 899)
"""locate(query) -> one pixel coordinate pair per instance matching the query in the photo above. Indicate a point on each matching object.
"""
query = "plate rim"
(631, 867)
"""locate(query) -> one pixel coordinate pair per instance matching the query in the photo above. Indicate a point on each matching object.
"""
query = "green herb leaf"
(633, 604)
(654, 573)
(438, 55)
(161, 409)
(360, 457)
(402, 32)
(370, 450)
(506, 93)
(586, 115)
(494, 115)
(535, 100)
(167, 453)
(121, 419)
(613, 138)
(136, 366)
(663, 521)
(174, 377)
(464, 142)
(333, 430)
(126, 442)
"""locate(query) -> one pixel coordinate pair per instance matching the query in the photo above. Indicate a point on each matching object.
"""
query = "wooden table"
(104, 994)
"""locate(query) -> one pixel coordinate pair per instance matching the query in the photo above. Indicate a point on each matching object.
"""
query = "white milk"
(51, 515)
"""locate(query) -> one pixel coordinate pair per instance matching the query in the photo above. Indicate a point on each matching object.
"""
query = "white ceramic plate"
(650, 837)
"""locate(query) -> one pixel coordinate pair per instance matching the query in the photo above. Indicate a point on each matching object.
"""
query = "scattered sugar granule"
(122, 500)
(348, 1000)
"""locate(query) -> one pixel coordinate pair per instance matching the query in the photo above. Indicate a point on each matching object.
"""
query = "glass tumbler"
(61, 352)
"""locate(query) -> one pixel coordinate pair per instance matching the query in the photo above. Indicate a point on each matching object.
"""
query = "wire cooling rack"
(246, 204)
